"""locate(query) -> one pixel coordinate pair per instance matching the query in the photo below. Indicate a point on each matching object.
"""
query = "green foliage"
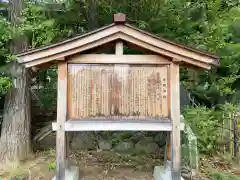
(5, 84)
(5, 36)
(52, 152)
(223, 176)
(203, 123)
(52, 166)
(19, 178)
(35, 24)
(39, 27)
(206, 123)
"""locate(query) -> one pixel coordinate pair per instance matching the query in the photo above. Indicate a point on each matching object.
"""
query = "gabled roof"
(113, 32)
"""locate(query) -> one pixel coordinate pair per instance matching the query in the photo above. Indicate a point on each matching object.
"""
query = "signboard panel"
(117, 92)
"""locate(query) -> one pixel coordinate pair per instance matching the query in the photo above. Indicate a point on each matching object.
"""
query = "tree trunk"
(15, 135)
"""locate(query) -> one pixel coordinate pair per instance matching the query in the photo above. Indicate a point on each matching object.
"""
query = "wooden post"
(235, 135)
(119, 48)
(175, 117)
(61, 148)
(167, 155)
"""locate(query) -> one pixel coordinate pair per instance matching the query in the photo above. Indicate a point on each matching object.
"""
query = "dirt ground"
(99, 173)
(106, 166)
(97, 166)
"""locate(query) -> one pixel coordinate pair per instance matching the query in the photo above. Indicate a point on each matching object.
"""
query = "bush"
(207, 124)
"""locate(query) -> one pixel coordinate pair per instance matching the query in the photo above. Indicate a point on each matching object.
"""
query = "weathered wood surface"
(113, 32)
(119, 48)
(167, 153)
(119, 125)
(61, 148)
(118, 59)
(175, 117)
(119, 18)
(119, 91)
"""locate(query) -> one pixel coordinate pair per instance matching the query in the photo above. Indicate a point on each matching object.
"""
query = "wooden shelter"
(115, 91)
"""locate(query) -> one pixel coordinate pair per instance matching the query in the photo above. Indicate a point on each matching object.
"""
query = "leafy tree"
(27, 22)
(5, 36)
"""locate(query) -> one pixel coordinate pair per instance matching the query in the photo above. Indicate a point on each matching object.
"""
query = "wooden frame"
(174, 126)
(175, 118)
(61, 143)
(118, 59)
(73, 51)
(118, 32)
(138, 61)
(119, 125)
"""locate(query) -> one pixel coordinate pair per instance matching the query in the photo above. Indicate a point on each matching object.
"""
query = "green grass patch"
(223, 176)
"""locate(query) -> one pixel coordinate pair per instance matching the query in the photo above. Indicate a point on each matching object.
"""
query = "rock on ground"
(124, 147)
(83, 141)
(146, 146)
(48, 142)
(104, 145)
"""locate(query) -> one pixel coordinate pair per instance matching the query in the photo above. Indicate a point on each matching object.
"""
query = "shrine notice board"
(118, 91)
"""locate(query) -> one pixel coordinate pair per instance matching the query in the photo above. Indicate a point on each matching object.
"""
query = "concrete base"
(71, 174)
(163, 173)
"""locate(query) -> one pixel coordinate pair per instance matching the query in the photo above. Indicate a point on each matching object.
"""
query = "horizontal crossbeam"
(116, 125)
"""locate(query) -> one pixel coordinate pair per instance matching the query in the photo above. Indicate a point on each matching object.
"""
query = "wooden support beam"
(117, 59)
(167, 155)
(67, 150)
(61, 148)
(119, 48)
(117, 125)
(175, 117)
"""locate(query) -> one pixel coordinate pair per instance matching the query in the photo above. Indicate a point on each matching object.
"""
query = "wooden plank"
(192, 55)
(117, 59)
(148, 81)
(119, 48)
(118, 125)
(165, 52)
(61, 148)
(113, 37)
(70, 45)
(70, 94)
(175, 117)
(67, 135)
(167, 154)
(166, 45)
(76, 50)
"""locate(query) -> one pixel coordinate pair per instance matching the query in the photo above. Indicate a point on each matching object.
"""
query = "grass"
(52, 166)
(223, 176)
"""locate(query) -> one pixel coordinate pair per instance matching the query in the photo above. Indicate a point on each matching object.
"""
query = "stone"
(71, 174)
(83, 141)
(162, 173)
(124, 147)
(145, 147)
(48, 142)
(148, 138)
(136, 137)
(160, 138)
(104, 145)
(121, 136)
